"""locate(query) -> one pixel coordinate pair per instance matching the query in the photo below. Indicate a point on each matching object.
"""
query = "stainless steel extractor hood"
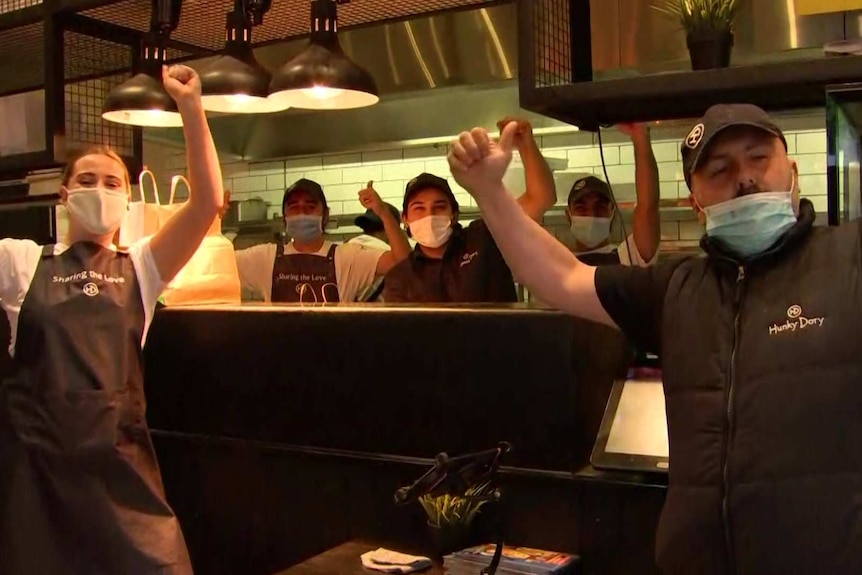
(437, 75)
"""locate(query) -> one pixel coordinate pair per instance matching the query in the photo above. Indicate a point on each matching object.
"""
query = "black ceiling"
(202, 22)
(99, 33)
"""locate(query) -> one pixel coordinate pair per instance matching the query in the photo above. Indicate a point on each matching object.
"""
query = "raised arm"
(547, 267)
(646, 227)
(176, 242)
(540, 192)
(398, 244)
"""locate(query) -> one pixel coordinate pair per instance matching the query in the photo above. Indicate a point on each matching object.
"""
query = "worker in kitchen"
(591, 211)
(373, 236)
(80, 491)
(311, 269)
(373, 231)
(452, 263)
(759, 342)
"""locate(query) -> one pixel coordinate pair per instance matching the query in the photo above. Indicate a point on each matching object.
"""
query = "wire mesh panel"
(552, 46)
(12, 5)
(22, 63)
(85, 58)
(202, 21)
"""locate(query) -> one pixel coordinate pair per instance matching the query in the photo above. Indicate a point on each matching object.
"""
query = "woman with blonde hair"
(80, 490)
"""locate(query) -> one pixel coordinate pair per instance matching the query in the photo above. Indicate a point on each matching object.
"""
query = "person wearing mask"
(373, 236)
(759, 342)
(455, 264)
(373, 231)
(311, 269)
(80, 491)
(590, 211)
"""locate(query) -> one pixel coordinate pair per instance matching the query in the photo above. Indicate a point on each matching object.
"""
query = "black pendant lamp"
(236, 83)
(143, 100)
(322, 77)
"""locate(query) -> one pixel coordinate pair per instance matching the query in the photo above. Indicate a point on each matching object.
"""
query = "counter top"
(370, 308)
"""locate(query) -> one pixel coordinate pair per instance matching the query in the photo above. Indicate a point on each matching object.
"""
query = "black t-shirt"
(634, 298)
(472, 270)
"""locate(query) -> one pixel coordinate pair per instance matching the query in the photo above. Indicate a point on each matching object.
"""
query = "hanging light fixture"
(236, 82)
(143, 100)
(322, 77)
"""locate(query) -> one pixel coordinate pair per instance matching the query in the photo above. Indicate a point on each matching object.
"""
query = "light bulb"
(322, 92)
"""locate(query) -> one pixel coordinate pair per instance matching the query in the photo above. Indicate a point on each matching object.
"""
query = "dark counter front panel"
(411, 382)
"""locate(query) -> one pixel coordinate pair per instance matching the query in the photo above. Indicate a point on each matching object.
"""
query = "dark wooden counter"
(344, 560)
(284, 431)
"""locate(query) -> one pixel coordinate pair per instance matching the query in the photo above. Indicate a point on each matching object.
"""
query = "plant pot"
(709, 49)
(449, 538)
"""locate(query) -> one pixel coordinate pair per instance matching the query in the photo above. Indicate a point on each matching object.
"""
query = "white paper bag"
(142, 218)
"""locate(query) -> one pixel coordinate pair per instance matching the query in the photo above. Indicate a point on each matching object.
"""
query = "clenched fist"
(478, 163)
(182, 83)
(370, 199)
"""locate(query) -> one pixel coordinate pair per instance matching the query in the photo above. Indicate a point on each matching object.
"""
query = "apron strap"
(48, 251)
(279, 249)
(330, 255)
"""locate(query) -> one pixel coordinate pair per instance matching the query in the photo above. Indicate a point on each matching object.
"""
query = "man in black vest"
(760, 347)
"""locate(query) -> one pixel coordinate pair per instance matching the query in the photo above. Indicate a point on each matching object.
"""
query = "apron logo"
(91, 289)
(694, 137)
(468, 258)
(795, 321)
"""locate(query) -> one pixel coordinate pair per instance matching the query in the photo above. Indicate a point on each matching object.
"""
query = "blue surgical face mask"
(751, 224)
(304, 228)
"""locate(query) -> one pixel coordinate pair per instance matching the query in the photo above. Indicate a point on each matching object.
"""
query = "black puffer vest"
(763, 379)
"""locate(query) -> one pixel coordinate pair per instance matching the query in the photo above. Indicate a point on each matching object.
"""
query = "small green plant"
(701, 15)
(446, 510)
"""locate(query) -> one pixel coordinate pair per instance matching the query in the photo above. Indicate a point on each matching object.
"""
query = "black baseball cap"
(370, 222)
(717, 119)
(309, 187)
(589, 185)
(424, 181)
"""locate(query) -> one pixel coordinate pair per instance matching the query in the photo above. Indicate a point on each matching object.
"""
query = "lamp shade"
(323, 78)
(142, 101)
(237, 84)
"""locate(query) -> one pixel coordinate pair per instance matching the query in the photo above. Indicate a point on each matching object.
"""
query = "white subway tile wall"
(343, 175)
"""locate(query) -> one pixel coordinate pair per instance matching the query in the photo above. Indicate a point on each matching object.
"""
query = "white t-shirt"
(369, 242)
(623, 253)
(20, 258)
(355, 267)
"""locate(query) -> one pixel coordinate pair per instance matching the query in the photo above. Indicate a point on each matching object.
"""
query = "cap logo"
(580, 185)
(694, 137)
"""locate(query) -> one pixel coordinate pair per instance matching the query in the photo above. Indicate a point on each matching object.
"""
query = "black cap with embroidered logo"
(717, 119)
(424, 181)
(586, 186)
(310, 187)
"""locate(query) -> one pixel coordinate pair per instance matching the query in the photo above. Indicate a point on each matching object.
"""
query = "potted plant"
(708, 26)
(450, 517)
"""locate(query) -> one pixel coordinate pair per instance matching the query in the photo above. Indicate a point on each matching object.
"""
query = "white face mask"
(432, 231)
(589, 231)
(100, 211)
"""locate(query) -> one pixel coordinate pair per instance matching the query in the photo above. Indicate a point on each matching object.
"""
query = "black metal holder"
(454, 476)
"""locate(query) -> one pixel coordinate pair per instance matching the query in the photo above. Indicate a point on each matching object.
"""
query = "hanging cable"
(617, 211)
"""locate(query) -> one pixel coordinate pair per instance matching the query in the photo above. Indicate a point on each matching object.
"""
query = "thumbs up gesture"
(478, 162)
(370, 199)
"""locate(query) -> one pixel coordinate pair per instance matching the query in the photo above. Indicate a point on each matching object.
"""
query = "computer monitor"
(633, 434)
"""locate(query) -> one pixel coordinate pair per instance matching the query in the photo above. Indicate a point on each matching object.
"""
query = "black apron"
(80, 491)
(304, 278)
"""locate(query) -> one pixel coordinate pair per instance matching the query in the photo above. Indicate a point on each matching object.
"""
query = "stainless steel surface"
(250, 210)
(22, 118)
